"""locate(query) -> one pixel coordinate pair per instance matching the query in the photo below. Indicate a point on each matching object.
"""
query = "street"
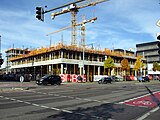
(83, 101)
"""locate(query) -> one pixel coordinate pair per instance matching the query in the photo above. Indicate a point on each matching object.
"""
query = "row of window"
(68, 55)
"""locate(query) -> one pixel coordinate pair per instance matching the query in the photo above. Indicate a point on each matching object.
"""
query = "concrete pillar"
(94, 70)
(99, 70)
(88, 73)
(105, 57)
(50, 56)
(74, 68)
(144, 72)
(50, 68)
(80, 69)
(61, 54)
(98, 58)
(112, 71)
(61, 68)
(135, 72)
(117, 71)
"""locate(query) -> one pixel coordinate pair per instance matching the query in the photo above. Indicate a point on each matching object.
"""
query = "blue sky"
(120, 23)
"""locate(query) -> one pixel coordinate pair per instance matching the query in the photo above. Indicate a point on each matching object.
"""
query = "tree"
(109, 63)
(156, 66)
(125, 65)
(138, 64)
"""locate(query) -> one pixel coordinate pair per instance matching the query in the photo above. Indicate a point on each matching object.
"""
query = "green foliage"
(138, 64)
(109, 63)
(156, 66)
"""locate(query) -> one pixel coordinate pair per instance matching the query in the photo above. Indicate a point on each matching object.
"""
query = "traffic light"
(40, 13)
(1, 61)
(158, 44)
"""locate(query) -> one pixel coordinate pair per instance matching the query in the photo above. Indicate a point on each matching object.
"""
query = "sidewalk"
(12, 85)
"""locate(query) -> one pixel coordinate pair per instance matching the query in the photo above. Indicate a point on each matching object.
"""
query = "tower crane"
(82, 24)
(73, 8)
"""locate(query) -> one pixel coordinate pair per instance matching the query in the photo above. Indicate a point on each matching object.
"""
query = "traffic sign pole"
(21, 80)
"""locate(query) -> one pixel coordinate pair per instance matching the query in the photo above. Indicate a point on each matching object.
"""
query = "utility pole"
(1, 60)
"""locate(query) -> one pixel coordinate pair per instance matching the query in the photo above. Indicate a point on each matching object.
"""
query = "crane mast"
(82, 24)
(73, 8)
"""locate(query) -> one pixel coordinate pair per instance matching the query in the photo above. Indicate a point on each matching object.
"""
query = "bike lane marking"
(148, 100)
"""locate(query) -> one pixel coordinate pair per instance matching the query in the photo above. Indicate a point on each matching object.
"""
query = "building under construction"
(68, 60)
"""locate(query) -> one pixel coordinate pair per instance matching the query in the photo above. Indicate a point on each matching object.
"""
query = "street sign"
(80, 65)
(21, 79)
(158, 23)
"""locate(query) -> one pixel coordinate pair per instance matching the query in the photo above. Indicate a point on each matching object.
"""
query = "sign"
(158, 23)
(80, 65)
(21, 79)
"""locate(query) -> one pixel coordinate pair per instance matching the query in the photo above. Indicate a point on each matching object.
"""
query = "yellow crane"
(84, 21)
(73, 8)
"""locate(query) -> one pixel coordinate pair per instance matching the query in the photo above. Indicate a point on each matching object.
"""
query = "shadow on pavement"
(102, 112)
(154, 98)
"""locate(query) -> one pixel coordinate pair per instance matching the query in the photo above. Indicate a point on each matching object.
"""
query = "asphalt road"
(78, 101)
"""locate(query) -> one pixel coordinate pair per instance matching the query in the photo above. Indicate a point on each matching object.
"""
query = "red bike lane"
(150, 100)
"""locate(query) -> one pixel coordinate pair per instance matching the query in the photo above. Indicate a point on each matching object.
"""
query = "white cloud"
(123, 23)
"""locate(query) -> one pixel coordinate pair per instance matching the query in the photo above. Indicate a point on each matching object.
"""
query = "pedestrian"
(79, 78)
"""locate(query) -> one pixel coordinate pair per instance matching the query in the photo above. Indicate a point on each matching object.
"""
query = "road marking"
(63, 96)
(19, 101)
(67, 111)
(56, 95)
(142, 102)
(148, 113)
(97, 101)
(87, 99)
(27, 102)
(35, 104)
(137, 97)
(13, 99)
(55, 109)
(78, 98)
(44, 106)
(72, 97)
(105, 102)
(6, 98)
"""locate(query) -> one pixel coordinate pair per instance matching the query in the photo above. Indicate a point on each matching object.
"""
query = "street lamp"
(83, 57)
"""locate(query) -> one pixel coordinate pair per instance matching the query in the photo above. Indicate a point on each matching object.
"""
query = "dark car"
(144, 79)
(49, 79)
(105, 80)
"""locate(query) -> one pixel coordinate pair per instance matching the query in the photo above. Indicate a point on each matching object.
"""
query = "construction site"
(71, 60)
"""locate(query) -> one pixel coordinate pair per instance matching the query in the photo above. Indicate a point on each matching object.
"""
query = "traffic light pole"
(63, 6)
(0, 47)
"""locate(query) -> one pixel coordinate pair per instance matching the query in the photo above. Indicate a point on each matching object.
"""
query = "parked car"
(115, 79)
(105, 80)
(144, 79)
(49, 79)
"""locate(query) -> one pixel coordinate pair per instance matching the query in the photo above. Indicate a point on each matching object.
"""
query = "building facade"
(11, 53)
(150, 51)
(68, 59)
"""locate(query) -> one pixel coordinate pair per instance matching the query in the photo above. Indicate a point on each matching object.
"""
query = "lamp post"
(83, 58)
